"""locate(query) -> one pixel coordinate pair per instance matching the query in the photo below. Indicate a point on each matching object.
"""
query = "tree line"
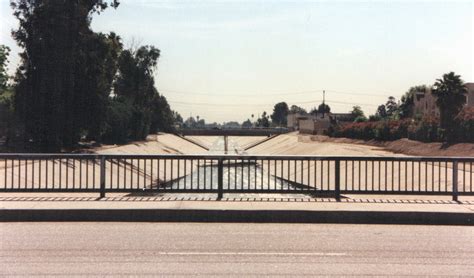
(394, 120)
(280, 112)
(75, 84)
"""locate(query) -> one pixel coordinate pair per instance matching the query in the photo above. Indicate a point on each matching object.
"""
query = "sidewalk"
(188, 208)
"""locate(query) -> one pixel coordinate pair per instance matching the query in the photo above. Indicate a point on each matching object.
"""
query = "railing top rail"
(232, 156)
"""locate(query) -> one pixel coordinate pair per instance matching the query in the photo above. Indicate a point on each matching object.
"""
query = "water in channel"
(237, 175)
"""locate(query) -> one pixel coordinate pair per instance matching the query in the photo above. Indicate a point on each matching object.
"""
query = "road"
(183, 249)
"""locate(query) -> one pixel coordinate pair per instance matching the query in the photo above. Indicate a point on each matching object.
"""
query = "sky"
(226, 60)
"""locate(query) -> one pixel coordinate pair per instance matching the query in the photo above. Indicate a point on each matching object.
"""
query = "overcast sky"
(226, 60)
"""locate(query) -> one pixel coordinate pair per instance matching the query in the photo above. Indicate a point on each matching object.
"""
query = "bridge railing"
(311, 175)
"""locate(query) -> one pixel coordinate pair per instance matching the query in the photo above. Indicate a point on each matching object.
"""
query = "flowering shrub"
(425, 130)
(465, 122)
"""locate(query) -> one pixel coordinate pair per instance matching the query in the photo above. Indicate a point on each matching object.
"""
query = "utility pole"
(324, 105)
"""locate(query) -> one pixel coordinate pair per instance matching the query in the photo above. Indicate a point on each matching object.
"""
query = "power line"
(239, 95)
(265, 104)
(275, 94)
(360, 94)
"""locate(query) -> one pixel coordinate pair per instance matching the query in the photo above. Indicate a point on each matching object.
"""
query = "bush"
(465, 125)
(425, 130)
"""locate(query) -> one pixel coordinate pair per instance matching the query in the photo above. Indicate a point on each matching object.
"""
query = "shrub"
(465, 125)
(425, 130)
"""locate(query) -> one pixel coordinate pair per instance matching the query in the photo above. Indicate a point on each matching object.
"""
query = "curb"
(237, 216)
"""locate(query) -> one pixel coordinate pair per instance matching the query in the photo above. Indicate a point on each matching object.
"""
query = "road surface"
(183, 249)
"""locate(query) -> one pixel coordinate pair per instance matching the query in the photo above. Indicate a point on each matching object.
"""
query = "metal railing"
(313, 175)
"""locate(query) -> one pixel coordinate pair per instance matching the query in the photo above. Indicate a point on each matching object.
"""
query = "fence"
(313, 175)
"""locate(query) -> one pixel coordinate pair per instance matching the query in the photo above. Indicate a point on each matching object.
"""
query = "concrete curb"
(237, 216)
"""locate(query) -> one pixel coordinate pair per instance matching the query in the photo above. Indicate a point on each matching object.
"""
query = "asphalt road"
(183, 249)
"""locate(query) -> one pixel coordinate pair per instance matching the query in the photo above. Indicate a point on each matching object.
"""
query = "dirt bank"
(402, 146)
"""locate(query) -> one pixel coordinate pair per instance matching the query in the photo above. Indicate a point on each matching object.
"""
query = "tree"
(381, 112)
(297, 109)
(450, 92)
(62, 65)
(162, 117)
(263, 120)
(391, 107)
(247, 124)
(105, 49)
(177, 118)
(190, 122)
(407, 101)
(322, 108)
(280, 112)
(135, 85)
(4, 52)
(357, 112)
(6, 96)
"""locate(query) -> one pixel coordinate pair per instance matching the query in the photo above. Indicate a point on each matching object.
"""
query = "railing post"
(102, 176)
(220, 177)
(338, 180)
(455, 180)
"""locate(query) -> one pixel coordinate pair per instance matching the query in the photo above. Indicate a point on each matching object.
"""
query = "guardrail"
(313, 175)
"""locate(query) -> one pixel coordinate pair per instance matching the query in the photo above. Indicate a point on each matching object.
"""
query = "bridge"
(233, 132)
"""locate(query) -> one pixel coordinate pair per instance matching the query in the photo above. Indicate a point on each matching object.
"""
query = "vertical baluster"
(360, 172)
(212, 173)
(199, 173)
(446, 176)
(205, 176)
(158, 174)
(315, 162)
(322, 174)
(426, 176)
(248, 185)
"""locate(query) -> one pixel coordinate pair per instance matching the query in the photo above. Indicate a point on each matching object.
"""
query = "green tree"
(381, 112)
(406, 108)
(6, 96)
(4, 52)
(322, 108)
(357, 111)
(263, 120)
(177, 118)
(358, 114)
(62, 63)
(162, 117)
(247, 124)
(450, 92)
(280, 111)
(190, 122)
(391, 107)
(297, 109)
(135, 85)
(104, 48)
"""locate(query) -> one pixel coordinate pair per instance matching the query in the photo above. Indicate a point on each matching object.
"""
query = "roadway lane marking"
(254, 254)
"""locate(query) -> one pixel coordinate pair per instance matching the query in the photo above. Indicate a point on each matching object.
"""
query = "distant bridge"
(233, 132)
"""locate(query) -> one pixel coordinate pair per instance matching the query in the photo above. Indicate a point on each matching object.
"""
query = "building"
(309, 124)
(424, 102)
(293, 118)
(342, 117)
(470, 94)
(314, 126)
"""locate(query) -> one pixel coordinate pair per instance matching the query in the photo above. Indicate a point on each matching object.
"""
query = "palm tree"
(450, 92)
